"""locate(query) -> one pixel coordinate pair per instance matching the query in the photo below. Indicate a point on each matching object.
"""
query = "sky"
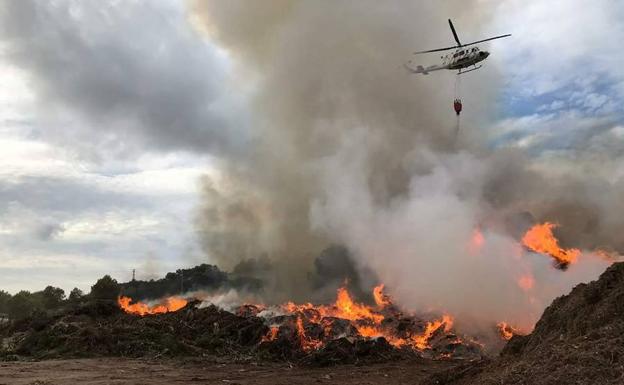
(111, 112)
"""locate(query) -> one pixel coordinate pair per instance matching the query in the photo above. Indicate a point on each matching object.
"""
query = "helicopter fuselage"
(464, 57)
(461, 58)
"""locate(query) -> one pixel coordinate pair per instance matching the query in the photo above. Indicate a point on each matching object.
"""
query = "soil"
(118, 371)
(578, 340)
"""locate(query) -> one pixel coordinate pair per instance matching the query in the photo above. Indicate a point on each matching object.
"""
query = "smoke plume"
(348, 149)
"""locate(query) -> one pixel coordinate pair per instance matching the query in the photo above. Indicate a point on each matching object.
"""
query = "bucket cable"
(457, 103)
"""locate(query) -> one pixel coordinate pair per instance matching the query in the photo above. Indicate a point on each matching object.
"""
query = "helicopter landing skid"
(470, 70)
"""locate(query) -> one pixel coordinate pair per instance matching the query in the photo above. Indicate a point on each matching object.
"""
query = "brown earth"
(117, 371)
(578, 340)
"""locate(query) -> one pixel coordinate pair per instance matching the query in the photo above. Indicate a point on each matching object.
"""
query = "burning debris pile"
(340, 332)
(313, 328)
(344, 332)
(579, 339)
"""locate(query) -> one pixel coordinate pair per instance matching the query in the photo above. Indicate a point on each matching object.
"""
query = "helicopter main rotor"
(459, 44)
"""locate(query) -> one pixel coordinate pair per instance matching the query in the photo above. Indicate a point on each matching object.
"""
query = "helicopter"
(463, 57)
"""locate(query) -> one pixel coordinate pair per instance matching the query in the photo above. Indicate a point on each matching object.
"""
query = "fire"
(353, 311)
(344, 307)
(422, 341)
(271, 335)
(367, 321)
(540, 239)
(313, 326)
(140, 308)
(506, 331)
(307, 343)
(476, 242)
(376, 331)
(381, 299)
(417, 341)
(526, 282)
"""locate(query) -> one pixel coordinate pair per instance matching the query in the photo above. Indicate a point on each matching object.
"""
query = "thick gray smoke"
(349, 149)
(317, 74)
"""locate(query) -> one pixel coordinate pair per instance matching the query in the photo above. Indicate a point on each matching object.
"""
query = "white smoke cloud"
(420, 243)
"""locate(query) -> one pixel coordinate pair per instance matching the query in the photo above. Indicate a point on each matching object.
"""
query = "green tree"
(52, 297)
(4, 301)
(21, 305)
(75, 295)
(105, 288)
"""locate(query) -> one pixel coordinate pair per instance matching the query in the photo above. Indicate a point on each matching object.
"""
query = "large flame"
(344, 308)
(540, 239)
(367, 320)
(348, 309)
(507, 331)
(140, 308)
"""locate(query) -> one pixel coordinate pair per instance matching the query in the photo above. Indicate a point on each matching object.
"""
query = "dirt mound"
(578, 340)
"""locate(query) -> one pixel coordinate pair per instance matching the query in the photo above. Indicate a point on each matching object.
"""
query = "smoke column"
(349, 149)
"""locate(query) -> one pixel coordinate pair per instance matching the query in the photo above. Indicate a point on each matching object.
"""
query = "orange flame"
(366, 320)
(381, 299)
(167, 305)
(422, 341)
(344, 307)
(307, 343)
(376, 331)
(540, 239)
(506, 331)
(271, 335)
(347, 309)
(418, 341)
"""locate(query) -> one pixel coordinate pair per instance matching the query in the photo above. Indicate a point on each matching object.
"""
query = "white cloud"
(67, 221)
(559, 43)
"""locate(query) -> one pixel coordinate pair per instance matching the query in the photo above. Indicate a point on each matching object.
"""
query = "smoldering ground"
(348, 149)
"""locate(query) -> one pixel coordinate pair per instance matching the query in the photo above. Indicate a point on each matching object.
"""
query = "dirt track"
(138, 372)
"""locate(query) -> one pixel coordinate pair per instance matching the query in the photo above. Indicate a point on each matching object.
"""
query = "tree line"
(202, 277)
(24, 303)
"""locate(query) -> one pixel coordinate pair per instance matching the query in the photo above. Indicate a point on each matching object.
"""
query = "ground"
(117, 371)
